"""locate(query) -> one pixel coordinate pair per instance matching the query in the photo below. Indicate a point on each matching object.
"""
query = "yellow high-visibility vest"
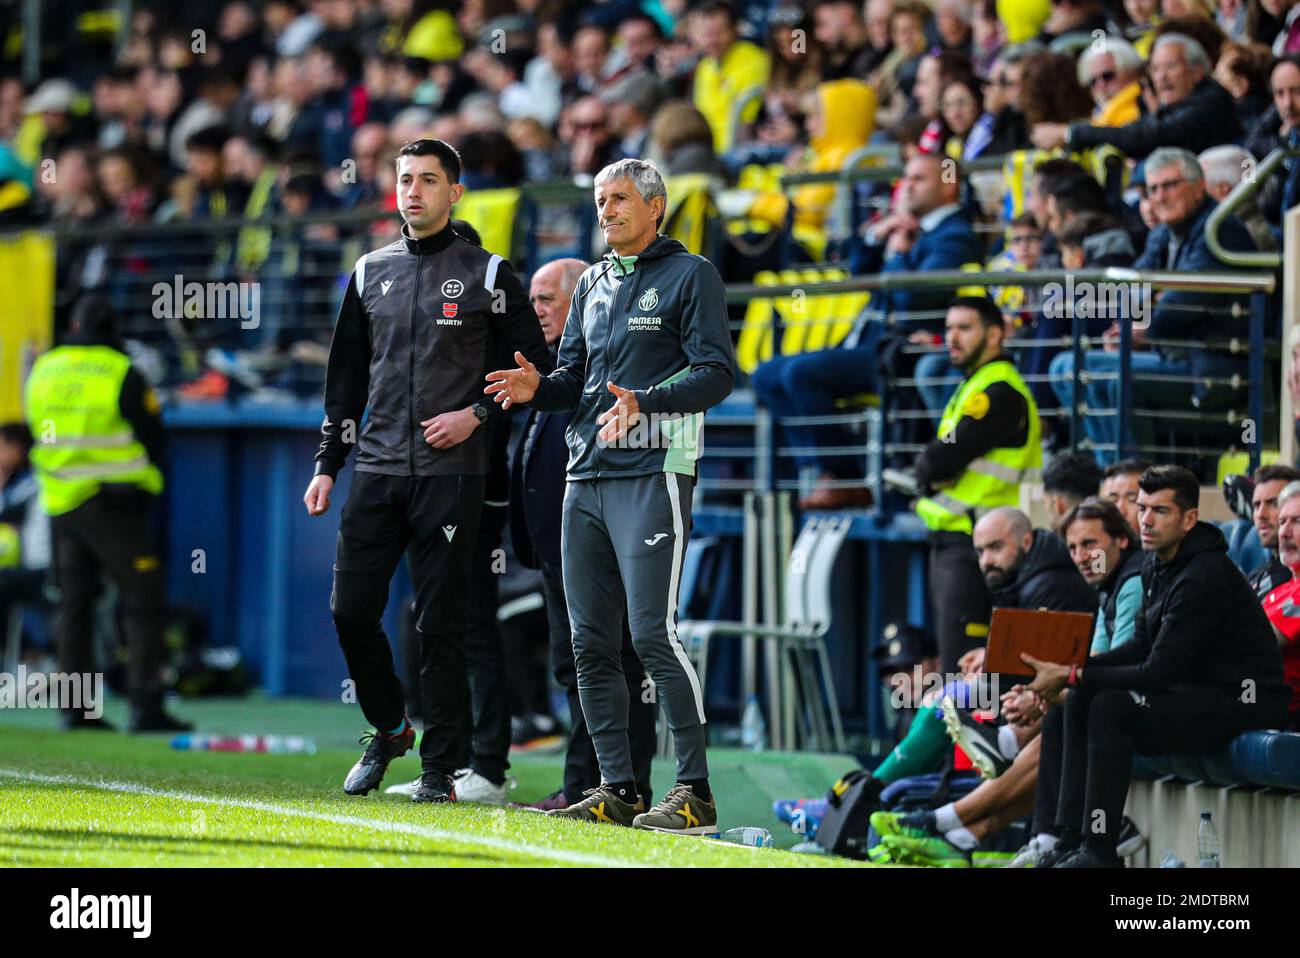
(82, 439)
(994, 478)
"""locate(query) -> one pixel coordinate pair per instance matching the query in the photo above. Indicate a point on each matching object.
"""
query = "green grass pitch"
(106, 799)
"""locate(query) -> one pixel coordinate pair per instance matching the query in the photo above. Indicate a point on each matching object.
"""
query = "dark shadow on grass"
(73, 840)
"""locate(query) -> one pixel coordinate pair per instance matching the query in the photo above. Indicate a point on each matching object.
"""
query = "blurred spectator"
(988, 36)
(1225, 167)
(1200, 28)
(119, 113)
(218, 92)
(479, 113)
(590, 53)
(420, 28)
(729, 69)
(1119, 484)
(1091, 239)
(1051, 96)
(55, 126)
(1287, 15)
(502, 74)
(796, 67)
(1243, 70)
(72, 197)
(840, 122)
(1077, 17)
(1277, 129)
(1195, 112)
(585, 127)
(338, 105)
(372, 154)
(895, 77)
(1110, 72)
(681, 137)
(632, 102)
(490, 161)
(961, 106)
(1182, 206)
(638, 40)
(839, 31)
(952, 24)
(542, 160)
(219, 194)
(1002, 127)
(239, 36)
(123, 181)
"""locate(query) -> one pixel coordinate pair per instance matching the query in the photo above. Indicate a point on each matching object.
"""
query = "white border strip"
(404, 828)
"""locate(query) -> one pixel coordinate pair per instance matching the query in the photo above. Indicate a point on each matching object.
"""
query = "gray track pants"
(622, 542)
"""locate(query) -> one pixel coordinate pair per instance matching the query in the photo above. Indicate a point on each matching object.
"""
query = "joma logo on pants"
(73, 911)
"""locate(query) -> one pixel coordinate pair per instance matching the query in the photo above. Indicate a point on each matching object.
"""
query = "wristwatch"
(480, 412)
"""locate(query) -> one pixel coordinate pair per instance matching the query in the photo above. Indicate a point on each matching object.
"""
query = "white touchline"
(406, 828)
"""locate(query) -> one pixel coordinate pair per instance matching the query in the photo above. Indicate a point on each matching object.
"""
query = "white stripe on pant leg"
(679, 549)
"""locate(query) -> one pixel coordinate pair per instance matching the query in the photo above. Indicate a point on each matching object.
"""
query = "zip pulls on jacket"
(623, 271)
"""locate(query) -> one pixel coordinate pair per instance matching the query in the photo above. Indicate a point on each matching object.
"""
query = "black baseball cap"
(902, 646)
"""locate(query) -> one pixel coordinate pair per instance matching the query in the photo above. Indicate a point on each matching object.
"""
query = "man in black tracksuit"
(645, 351)
(409, 349)
(1203, 666)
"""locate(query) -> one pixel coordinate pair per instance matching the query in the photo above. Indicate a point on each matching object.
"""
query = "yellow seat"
(808, 322)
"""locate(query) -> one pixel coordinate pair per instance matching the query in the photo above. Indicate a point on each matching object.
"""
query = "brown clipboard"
(1062, 637)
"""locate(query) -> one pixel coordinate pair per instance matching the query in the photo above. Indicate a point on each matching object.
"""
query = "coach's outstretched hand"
(510, 386)
(317, 496)
(616, 420)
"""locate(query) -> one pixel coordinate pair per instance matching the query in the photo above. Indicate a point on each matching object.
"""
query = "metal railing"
(1231, 203)
(873, 423)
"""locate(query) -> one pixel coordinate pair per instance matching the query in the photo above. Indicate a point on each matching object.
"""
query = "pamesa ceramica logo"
(649, 300)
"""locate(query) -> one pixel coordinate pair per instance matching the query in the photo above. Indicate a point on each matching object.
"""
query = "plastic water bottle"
(266, 744)
(750, 835)
(1207, 842)
(1171, 860)
(753, 730)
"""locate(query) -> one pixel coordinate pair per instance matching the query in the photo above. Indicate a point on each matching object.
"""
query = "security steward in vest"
(410, 346)
(98, 444)
(988, 444)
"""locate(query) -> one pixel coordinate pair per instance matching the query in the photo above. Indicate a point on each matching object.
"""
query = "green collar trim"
(626, 264)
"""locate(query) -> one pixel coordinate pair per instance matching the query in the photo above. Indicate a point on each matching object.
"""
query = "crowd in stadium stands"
(1122, 127)
(1102, 556)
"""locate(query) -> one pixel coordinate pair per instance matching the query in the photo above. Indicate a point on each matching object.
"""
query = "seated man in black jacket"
(1195, 112)
(1028, 568)
(1202, 667)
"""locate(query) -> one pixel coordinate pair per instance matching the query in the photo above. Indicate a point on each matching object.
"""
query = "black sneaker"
(436, 788)
(381, 749)
(979, 740)
(157, 720)
(1085, 857)
(1059, 852)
